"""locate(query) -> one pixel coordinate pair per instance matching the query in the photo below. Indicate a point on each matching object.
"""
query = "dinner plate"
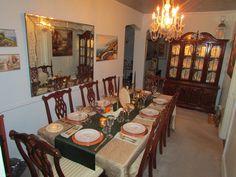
(149, 112)
(133, 128)
(77, 116)
(87, 137)
(160, 101)
(54, 127)
(124, 97)
(146, 92)
(156, 94)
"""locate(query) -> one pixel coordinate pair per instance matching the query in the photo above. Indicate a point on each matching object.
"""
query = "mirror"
(61, 53)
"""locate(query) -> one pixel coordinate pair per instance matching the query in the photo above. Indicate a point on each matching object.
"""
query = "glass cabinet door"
(213, 64)
(175, 51)
(199, 62)
(187, 62)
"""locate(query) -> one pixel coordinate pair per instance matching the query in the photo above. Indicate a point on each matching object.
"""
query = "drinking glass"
(154, 89)
(121, 117)
(110, 122)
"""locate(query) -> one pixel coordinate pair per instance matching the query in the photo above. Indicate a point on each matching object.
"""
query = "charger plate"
(124, 97)
(87, 137)
(54, 127)
(77, 116)
(149, 112)
(134, 129)
(160, 101)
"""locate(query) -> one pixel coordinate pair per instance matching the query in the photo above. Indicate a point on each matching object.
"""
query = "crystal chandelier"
(167, 23)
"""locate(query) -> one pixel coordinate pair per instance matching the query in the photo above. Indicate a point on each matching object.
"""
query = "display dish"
(124, 97)
(78, 116)
(160, 101)
(149, 112)
(54, 127)
(87, 137)
(134, 129)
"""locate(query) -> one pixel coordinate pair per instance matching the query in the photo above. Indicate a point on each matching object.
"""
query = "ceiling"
(147, 6)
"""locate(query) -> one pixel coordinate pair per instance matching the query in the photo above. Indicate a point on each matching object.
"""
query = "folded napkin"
(116, 113)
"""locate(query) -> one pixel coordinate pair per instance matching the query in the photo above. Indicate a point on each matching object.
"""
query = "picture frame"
(232, 58)
(62, 42)
(9, 62)
(8, 38)
(107, 47)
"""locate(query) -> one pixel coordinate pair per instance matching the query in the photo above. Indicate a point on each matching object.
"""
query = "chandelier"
(167, 23)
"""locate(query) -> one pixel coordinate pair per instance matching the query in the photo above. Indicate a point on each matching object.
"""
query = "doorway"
(128, 55)
(156, 56)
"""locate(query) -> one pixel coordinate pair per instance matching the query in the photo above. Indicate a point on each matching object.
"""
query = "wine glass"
(128, 109)
(154, 89)
(110, 122)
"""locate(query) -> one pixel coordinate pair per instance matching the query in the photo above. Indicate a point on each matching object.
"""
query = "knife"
(100, 144)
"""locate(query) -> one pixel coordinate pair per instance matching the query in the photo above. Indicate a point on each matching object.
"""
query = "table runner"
(85, 155)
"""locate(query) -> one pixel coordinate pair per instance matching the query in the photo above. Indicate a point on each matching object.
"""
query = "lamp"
(220, 32)
(167, 23)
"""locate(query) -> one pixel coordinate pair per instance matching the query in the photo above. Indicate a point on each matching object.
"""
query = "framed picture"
(9, 62)
(7, 38)
(232, 58)
(107, 47)
(62, 42)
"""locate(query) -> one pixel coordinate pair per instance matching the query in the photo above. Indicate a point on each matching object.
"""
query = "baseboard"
(223, 167)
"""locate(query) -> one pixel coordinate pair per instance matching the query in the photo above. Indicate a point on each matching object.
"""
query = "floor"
(193, 150)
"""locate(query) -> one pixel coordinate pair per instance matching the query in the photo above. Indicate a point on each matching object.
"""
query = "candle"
(103, 121)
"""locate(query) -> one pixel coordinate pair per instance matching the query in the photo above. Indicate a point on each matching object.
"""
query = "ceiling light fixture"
(167, 22)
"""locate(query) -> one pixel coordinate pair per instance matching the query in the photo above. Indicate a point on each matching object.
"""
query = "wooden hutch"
(194, 65)
(86, 57)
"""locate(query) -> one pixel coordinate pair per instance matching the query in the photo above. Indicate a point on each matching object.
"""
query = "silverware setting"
(100, 144)
(124, 137)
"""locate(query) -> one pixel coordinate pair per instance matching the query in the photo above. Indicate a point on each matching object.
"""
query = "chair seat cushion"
(74, 169)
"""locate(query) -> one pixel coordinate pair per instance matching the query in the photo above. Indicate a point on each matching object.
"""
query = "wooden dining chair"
(148, 155)
(91, 95)
(45, 160)
(110, 85)
(153, 80)
(60, 104)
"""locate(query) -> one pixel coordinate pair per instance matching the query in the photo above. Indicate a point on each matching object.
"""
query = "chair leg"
(154, 163)
(150, 167)
(164, 136)
(160, 145)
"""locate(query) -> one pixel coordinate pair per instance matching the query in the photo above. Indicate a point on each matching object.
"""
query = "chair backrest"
(110, 86)
(153, 80)
(147, 158)
(47, 69)
(60, 82)
(91, 96)
(35, 153)
(60, 105)
(6, 157)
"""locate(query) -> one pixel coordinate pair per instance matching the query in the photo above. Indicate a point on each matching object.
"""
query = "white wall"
(229, 157)
(26, 114)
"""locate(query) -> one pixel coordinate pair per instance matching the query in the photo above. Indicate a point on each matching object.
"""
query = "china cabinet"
(86, 55)
(194, 64)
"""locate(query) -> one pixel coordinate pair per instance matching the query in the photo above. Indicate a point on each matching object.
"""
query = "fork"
(123, 137)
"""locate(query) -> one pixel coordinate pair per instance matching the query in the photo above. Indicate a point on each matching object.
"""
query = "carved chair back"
(47, 69)
(110, 86)
(60, 82)
(35, 153)
(153, 80)
(147, 159)
(60, 104)
(91, 95)
(5, 152)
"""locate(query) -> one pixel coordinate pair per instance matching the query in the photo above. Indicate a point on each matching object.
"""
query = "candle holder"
(103, 122)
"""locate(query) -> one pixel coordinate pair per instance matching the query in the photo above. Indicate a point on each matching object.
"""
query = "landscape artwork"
(62, 42)
(7, 38)
(107, 47)
(9, 62)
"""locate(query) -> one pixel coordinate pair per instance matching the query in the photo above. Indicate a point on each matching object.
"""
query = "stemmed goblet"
(110, 122)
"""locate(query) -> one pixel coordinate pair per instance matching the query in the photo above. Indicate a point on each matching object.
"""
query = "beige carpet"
(193, 150)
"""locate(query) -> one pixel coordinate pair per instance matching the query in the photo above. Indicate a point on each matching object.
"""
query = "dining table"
(119, 155)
